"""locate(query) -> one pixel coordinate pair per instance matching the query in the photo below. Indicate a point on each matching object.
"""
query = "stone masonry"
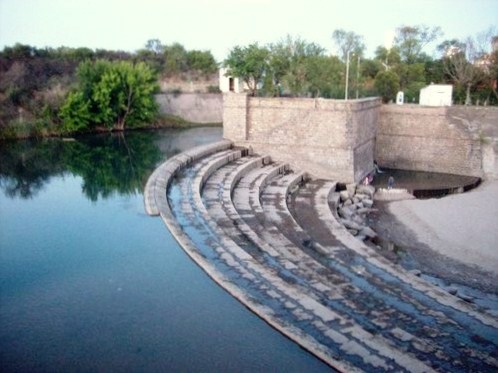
(329, 138)
(339, 139)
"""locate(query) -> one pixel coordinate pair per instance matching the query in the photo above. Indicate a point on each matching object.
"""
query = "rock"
(452, 290)
(356, 200)
(358, 219)
(361, 196)
(367, 203)
(368, 232)
(348, 202)
(358, 205)
(363, 211)
(361, 237)
(346, 212)
(416, 272)
(344, 195)
(369, 190)
(351, 224)
(351, 188)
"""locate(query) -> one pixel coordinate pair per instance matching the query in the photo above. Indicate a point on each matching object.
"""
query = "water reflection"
(110, 163)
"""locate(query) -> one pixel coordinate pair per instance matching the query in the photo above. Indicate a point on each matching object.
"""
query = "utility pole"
(357, 76)
(347, 77)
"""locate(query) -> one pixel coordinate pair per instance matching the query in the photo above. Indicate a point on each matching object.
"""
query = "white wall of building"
(436, 95)
(225, 82)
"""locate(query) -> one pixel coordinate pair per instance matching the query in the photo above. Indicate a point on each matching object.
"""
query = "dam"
(270, 234)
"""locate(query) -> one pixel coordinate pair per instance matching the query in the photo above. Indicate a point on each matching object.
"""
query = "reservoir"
(88, 282)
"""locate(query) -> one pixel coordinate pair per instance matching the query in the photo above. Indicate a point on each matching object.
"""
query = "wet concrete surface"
(285, 257)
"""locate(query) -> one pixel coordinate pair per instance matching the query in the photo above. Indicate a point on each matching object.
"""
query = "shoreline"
(101, 130)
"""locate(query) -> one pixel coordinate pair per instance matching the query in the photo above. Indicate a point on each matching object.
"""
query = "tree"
(201, 61)
(460, 65)
(387, 84)
(412, 39)
(175, 59)
(115, 94)
(155, 46)
(248, 63)
(348, 42)
(300, 53)
(388, 57)
(75, 113)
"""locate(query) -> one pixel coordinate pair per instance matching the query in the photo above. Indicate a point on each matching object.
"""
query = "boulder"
(344, 195)
(356, 200)
(367, 203)
(361, 196)
(363, 211)
(351, 224)
(368, 232)
(351, 188)
(369, 190)
(345, 212)
(354, 232)
(348, 202)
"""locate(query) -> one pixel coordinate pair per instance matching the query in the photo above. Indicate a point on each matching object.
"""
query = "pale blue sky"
(218, 25)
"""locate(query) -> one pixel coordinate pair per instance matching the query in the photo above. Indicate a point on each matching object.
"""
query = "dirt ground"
(454, 238)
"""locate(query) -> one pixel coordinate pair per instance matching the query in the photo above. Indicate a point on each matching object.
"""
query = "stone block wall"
(193, 107)
(439, 139)
(327, 138)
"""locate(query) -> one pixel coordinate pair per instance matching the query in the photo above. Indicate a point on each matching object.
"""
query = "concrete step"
(270, 239)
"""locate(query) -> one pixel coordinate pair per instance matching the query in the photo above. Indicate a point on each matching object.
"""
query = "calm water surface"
(88, 282)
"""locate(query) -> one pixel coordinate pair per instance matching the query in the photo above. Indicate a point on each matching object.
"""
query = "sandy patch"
(463, 227)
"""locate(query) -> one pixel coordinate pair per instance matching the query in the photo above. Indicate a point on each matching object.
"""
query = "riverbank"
(453, 238)
(164, 121)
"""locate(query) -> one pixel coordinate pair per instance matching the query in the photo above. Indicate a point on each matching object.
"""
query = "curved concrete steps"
(269, 237)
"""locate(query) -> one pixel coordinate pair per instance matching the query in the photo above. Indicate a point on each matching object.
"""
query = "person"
(390, 182)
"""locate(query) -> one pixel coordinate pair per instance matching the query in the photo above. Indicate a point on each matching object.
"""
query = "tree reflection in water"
(107, 163)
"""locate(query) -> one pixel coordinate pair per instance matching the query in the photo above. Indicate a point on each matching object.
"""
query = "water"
(425, 184)
(88, 282)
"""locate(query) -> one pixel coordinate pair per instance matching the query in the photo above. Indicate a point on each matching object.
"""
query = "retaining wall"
(440, 139)
(329, 138)
(339, 139)
(193, 107)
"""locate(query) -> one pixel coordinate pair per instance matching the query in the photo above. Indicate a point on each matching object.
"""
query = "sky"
(219, 25)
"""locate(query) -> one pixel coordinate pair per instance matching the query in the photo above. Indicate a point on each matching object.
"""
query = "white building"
(436, 95)
(230, 83)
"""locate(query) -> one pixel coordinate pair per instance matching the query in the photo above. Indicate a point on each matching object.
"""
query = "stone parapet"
(322, 136)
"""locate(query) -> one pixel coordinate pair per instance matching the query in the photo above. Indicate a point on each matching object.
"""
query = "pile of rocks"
(353, 205)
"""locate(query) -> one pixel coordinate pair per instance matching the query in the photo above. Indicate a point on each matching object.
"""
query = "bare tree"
(468, 61)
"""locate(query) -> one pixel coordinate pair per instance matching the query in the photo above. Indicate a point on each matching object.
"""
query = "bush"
(387, 85)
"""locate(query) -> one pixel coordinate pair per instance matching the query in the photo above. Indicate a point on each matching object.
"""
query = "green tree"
(248, 63)
(348, 42)
(75, 113)
(201, 61)
(175, 59)
(387, 84)
(324, 76)
(410, 40)
(116, 94)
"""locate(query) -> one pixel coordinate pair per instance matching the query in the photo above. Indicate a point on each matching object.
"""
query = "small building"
(229, 83)
(436, 95)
